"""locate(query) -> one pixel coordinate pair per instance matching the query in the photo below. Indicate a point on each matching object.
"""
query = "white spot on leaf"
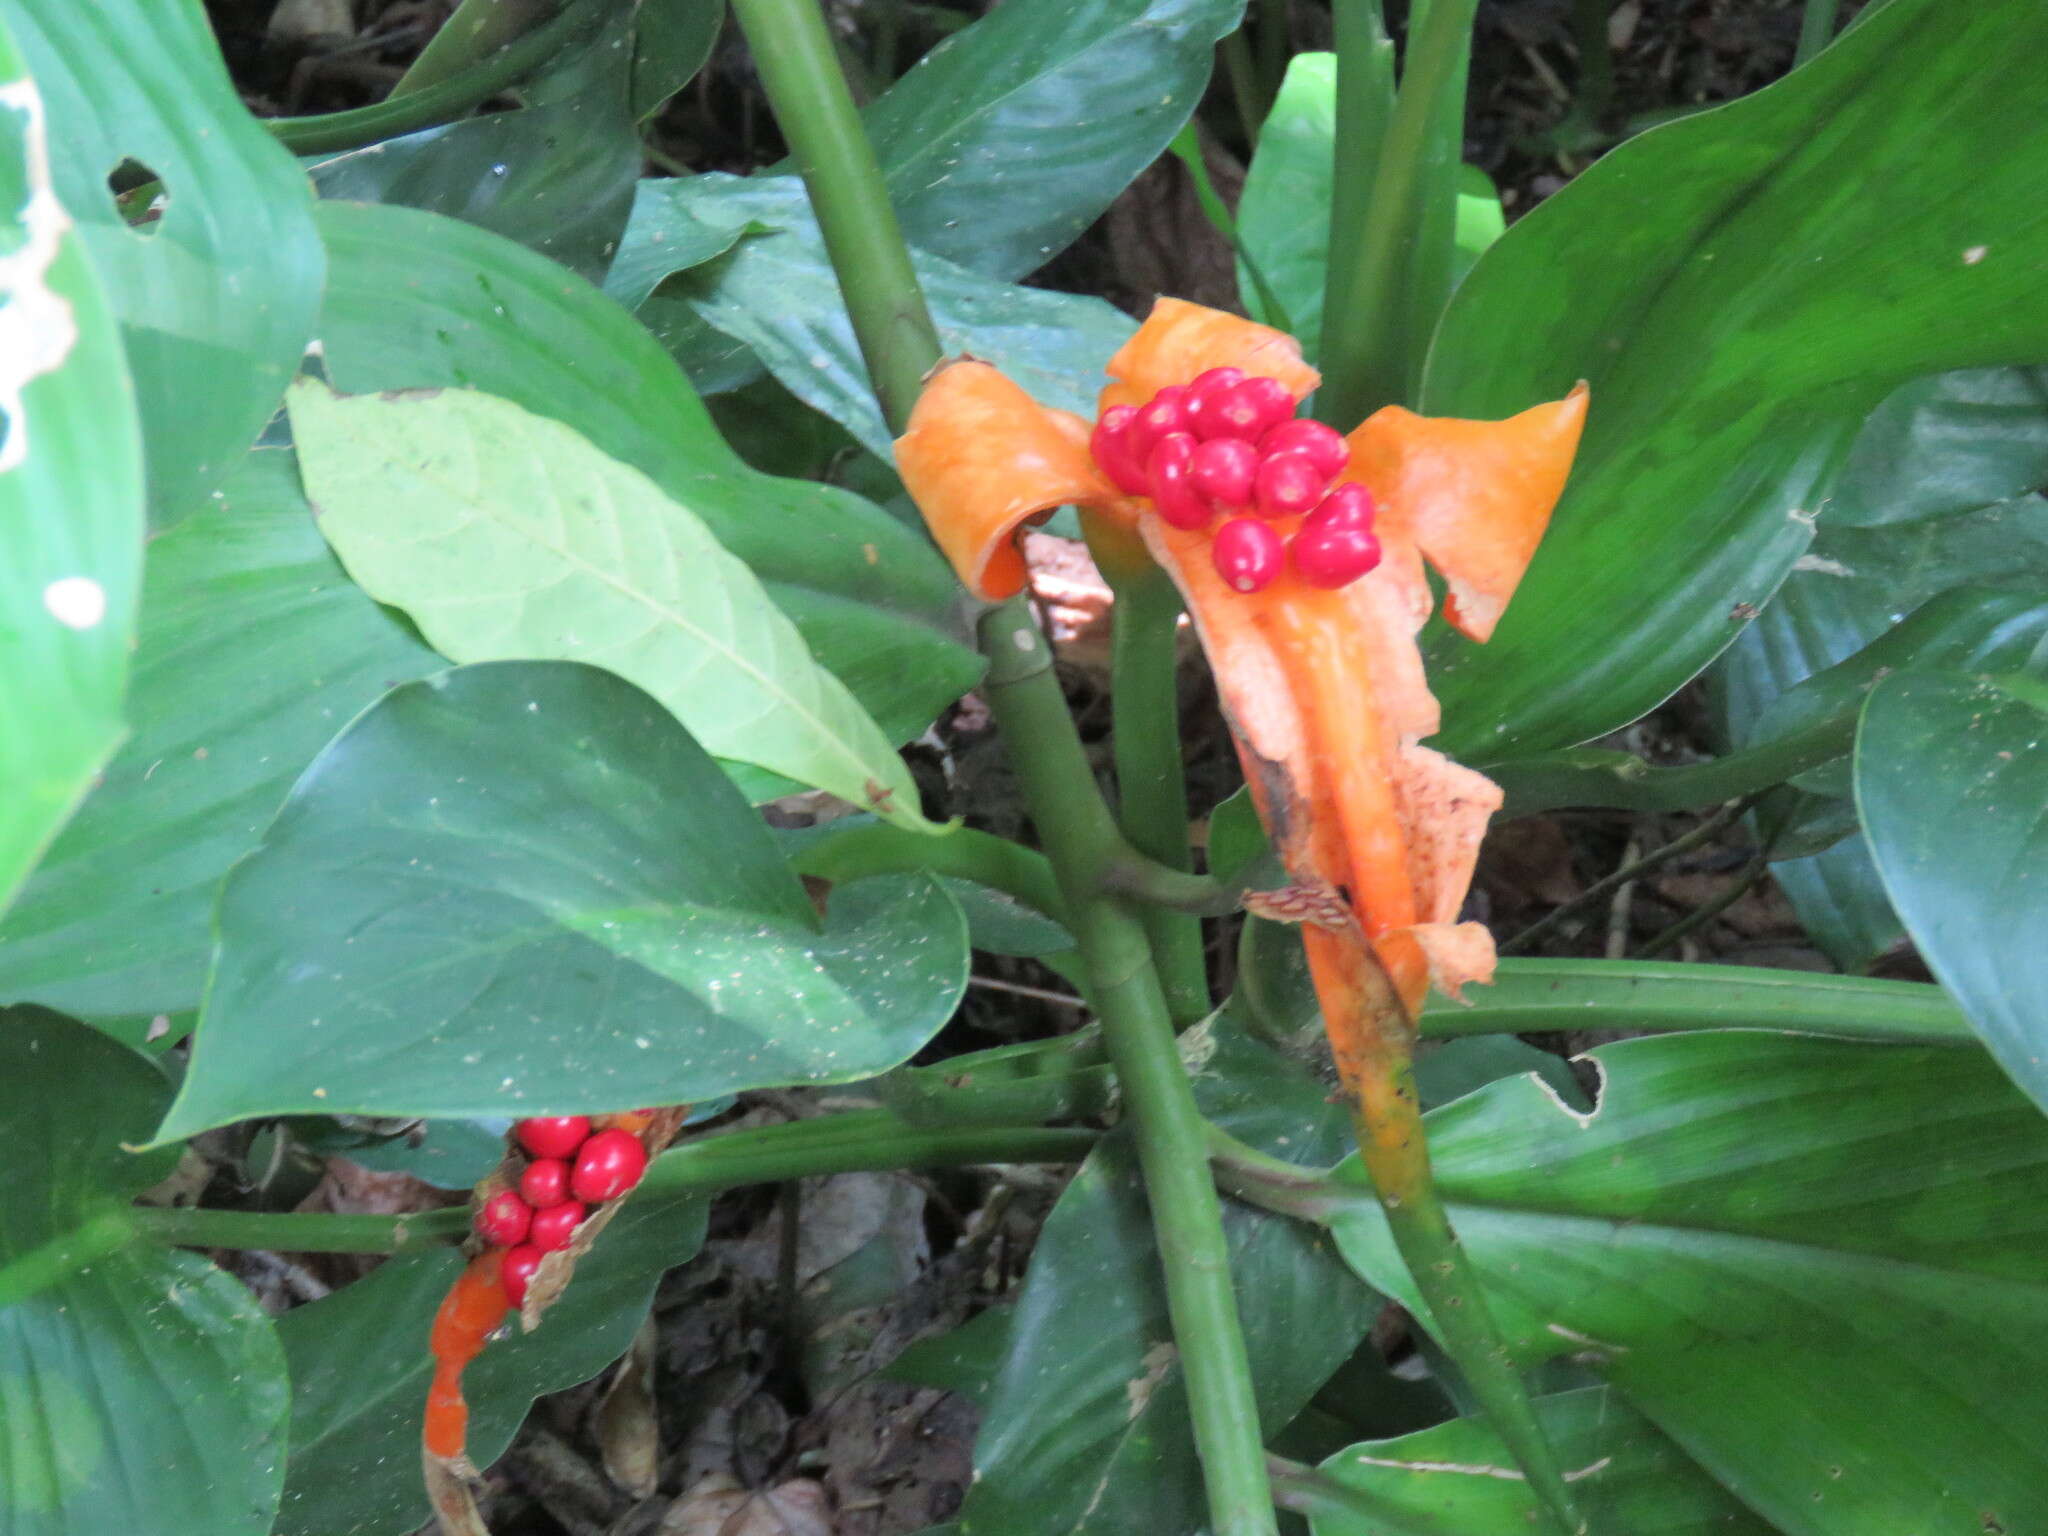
(77, 602)
(37, 329)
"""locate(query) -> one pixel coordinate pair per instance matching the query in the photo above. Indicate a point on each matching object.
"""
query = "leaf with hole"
(509, 536)
(524, 882)
(216, 296)
(1760, 1241)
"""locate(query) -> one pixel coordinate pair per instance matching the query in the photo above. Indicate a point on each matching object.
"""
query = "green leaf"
(777, 293)
(140, 1388)
(1283, 214)
(507, 536)
(359, 1368)
(1458, 1480)
(556, 175)
(672, 39)
(416, 300)
(521, 888)
(1008, 139)
(1736, 327)
(1952, 782)
(1085, 1428)
(71, 502)
(1477, 221)
(216, 299)
(254, 649)
(1762, 1241)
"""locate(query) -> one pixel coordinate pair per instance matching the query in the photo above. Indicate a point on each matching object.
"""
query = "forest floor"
(766, 1417)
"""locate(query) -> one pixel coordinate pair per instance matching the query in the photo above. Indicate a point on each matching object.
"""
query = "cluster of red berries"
(1231, 444)
(572, 1168)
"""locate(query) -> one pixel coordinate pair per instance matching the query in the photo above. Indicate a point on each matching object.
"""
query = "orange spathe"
(1324, 690)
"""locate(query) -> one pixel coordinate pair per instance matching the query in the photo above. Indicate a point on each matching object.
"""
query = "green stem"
(332, 132)
(1275, 46)
(1383, 302)
(876, 848)
(1595, 776)
(1365, 103)
(861, 1141)
(1151, 781)
(1123, 871)
(807, 89)
(1816, 29)
(1538, 996)
(476, 30)
(1076, 828)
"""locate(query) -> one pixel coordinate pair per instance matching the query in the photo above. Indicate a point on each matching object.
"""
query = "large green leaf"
(140, 1388)
(1738, 313)
(521, 888)
(1007, 140)
(1458, 1480)
(775, 290)
(254, 649)
(1283, 216)
(1086, 1428)
(1817, 1266)
(359, 1368)
(217, 297)
(1952, 782)
(416, 300)
(71, 507)
(508, 537)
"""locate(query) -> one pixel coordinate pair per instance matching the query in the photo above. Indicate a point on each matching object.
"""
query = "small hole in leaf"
(140, 197)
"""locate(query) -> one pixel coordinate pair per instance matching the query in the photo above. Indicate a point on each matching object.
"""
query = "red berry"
(503, 1219)
(1334, 554)
(610, 1163)
(517, 1272)
(1156, 417)
(1249, 409)
(1111, 444)
(551, 1227)
(545, 1183)
(1288, 483)
(1166, 476)
(1325, 446)
(1223, 470)
(553, 1135)
(1203, 394)
(1248, 553)
(1348, 506)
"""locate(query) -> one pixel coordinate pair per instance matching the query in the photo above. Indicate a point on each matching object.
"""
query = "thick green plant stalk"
(1074, 824)
(1152, 796)
(860, 1141)
(1365, 103)
(478, 29)
(807, 91)
(811, 102)
(1388, 284)
(877, 848)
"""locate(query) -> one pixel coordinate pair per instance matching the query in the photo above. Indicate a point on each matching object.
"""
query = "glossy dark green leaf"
(141, 1389)
(1737, 318)
(671, 41)
(509, 537)
(1766, 1243)
(254, 649)
(1945, 444)
(556, 175)
(521, 888)
(1085, 1428)
(416, 300)
(775, 290)
(71, 498)
(1952, 782)
(1458, 1480)
(1007, 140)
(359, 1368)
(216, 298)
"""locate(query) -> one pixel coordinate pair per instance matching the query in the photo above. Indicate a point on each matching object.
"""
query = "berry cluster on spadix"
(1228, 446)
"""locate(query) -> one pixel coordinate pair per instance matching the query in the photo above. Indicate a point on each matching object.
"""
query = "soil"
(765, 1415)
